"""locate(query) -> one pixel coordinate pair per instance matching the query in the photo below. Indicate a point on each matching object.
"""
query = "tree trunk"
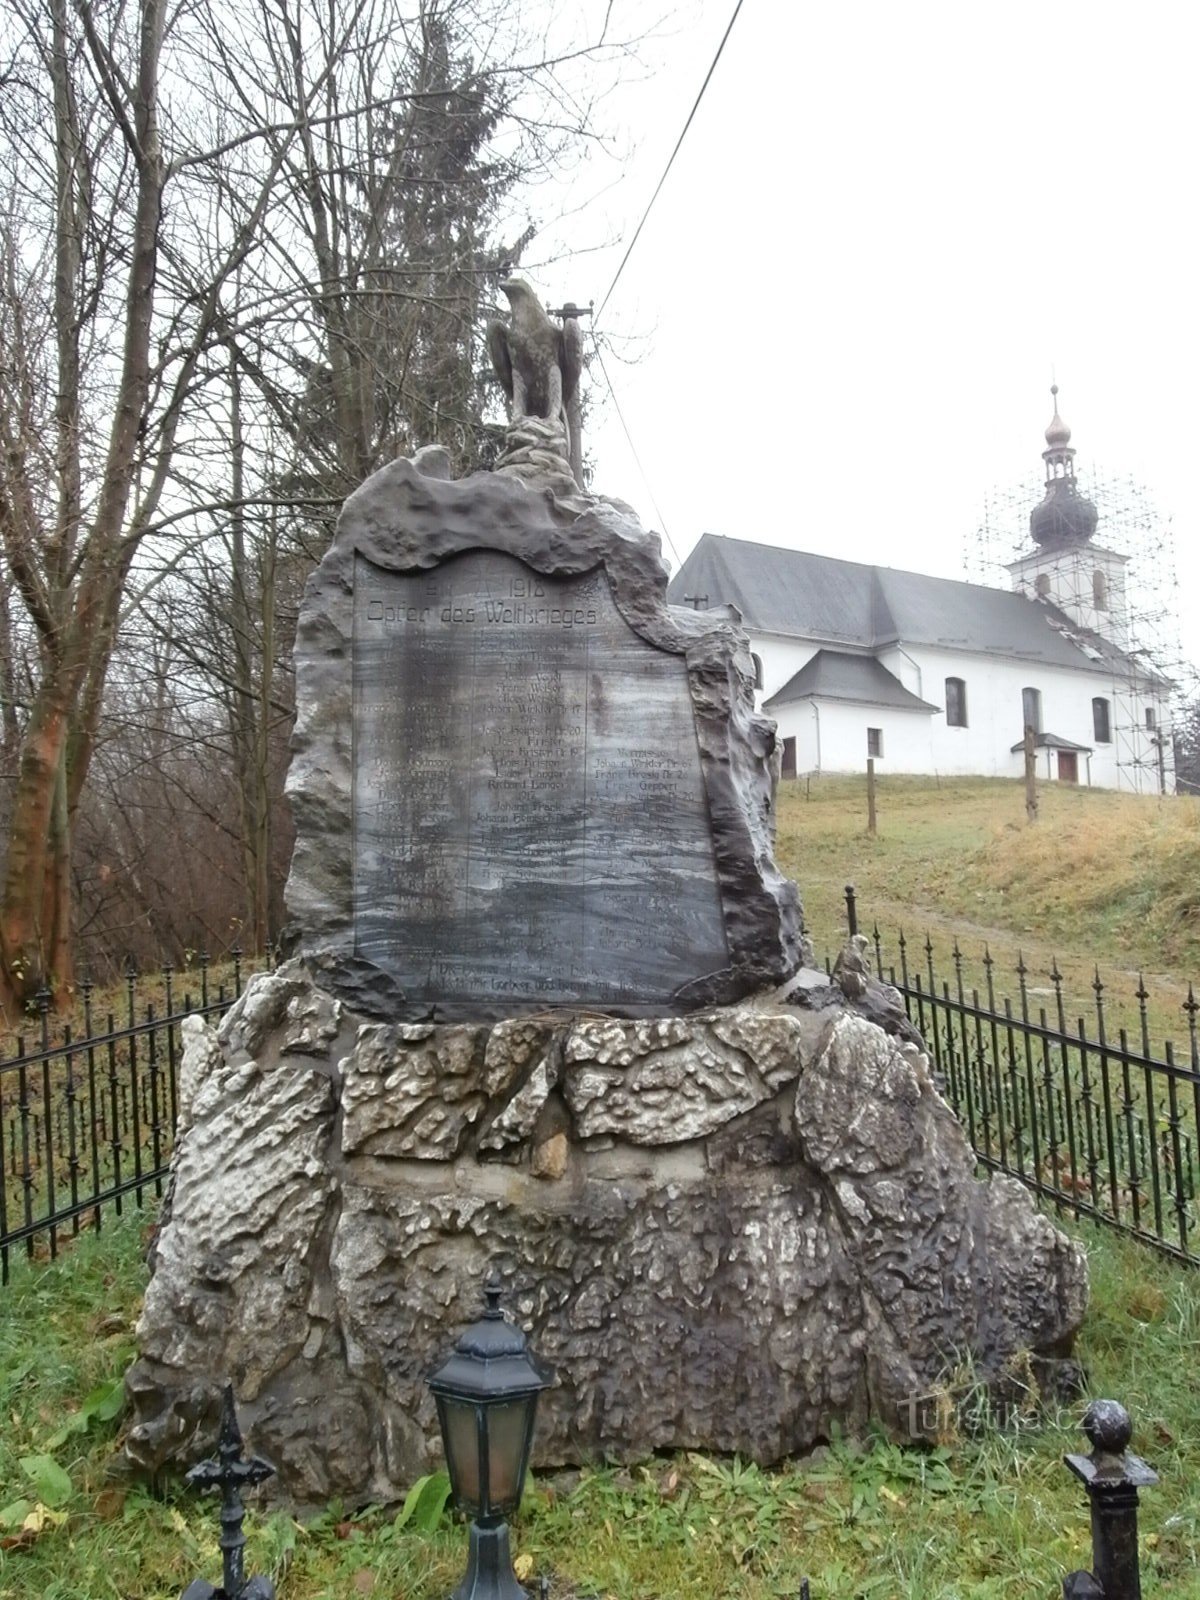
(58, 950)
(34, 908)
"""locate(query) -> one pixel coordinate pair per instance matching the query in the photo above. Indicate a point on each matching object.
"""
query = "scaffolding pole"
(1135, 607)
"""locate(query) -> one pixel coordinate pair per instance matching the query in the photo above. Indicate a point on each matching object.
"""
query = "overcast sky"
(886, 227)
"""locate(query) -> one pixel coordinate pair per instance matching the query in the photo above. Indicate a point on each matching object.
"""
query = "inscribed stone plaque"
(530, 819)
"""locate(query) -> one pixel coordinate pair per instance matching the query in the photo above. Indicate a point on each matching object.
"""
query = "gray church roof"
(806, 596)
(835, 675)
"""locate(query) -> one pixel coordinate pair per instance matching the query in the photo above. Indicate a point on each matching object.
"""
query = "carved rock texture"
(662, 1083)
(412, 1090)
(726, 1231)
(409, 518)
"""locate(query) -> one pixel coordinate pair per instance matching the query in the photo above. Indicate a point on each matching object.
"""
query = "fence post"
(1112, 1478)
(851, 910)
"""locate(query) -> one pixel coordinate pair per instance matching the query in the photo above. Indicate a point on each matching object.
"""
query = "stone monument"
(543, 1012)
(512, 759)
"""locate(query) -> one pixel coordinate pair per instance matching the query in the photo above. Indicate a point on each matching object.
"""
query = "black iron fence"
(87, 1109)
(1095, 1118)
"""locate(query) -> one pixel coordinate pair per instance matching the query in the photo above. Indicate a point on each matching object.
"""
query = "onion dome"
(1063, 516)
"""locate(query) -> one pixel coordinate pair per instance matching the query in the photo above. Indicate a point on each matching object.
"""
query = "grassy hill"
(1100, 879)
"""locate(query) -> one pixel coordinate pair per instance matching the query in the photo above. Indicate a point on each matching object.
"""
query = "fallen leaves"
(109, 1504)
(30, 1520)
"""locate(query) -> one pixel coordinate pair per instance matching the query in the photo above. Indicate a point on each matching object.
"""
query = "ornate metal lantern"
(486, 1392)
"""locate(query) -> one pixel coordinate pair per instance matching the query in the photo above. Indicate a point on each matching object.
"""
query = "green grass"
(990, 1513)
(1100, 879)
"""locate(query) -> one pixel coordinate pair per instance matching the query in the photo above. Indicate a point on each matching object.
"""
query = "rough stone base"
(727, 1231)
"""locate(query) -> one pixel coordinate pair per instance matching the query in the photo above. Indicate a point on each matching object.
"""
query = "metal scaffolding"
(1124, 585)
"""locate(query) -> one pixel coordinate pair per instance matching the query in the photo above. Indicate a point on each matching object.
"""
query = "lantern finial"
(492, 1290)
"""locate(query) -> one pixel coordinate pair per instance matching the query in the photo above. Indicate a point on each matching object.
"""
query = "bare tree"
(295, 246)
(71, 489)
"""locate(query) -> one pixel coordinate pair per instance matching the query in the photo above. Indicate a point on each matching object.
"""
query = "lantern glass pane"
(462, 1450)
(507, 1426)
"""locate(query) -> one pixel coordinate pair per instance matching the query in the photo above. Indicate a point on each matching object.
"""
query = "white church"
(931, 675)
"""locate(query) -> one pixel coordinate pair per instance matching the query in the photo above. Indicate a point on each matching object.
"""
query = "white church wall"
(831, 736)
(910, 669)
(995, 714)
(782, 658)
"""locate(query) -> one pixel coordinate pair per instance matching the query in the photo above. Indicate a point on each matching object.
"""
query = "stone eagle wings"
(537, 361)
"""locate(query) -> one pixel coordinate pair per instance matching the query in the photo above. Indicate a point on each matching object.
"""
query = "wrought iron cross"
(231, 1473)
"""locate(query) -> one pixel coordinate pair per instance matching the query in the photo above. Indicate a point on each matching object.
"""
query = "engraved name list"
(530, 821)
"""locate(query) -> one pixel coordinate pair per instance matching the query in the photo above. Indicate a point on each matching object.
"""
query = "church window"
(874, 741)
(1031, 709)
(1042, 584)
(956, 703)
(758, 669)
(1151, 719)
(1101, 723)
(1099, 590)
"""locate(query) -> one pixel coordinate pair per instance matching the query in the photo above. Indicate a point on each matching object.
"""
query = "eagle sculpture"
(536, 360)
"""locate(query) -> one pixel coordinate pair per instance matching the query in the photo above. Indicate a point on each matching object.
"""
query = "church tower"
(1066, 566)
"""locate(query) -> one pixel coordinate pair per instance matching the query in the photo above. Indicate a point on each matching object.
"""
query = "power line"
(633, 448)
(670, 164)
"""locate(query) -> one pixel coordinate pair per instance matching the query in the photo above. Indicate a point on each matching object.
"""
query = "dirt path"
(1166, 992)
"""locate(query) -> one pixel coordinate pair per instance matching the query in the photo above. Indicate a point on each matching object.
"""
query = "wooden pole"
(575, 436)
(871, 795)
(1031, 795)
(573, 336)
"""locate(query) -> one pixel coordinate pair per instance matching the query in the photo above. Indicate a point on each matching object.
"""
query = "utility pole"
(696, 601)
(569, 314)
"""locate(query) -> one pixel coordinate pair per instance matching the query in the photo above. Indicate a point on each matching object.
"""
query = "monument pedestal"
(732, 1231)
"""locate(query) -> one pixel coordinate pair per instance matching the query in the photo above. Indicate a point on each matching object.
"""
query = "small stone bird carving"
(852, 969)
(537, 361)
